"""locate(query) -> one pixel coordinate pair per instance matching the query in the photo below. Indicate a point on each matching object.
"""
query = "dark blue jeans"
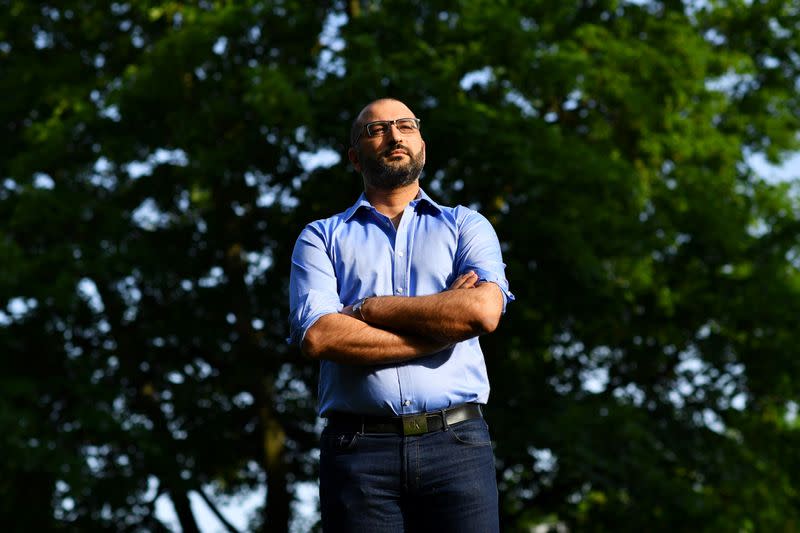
(440, 482)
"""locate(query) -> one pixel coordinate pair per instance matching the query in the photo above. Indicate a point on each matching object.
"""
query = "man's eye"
(378, 129)
(406, 126)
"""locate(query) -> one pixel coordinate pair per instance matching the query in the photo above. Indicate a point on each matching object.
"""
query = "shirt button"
(406, 402)
(399, 290)
(400, 254)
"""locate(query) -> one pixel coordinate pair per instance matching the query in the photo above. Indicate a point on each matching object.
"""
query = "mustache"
(397, 147)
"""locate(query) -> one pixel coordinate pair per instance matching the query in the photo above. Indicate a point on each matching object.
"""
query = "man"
(390, 296)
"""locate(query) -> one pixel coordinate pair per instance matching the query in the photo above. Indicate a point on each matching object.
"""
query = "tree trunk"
(277, 512)
(184, 511)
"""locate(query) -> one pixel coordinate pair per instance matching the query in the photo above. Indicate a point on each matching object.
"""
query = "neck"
(391, 202)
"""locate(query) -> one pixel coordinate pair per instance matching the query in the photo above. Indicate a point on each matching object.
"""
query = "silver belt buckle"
(415, 424)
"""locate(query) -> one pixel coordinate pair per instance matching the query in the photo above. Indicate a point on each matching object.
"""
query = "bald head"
(367, 115)
(392, 157)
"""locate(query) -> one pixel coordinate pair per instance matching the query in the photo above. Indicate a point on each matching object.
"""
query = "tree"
(607, 141)
(644, 379)
(149, 136)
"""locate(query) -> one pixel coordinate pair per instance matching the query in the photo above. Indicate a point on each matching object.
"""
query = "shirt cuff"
(315, 305)
(500, 281)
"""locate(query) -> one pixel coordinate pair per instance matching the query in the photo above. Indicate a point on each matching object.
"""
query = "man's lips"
(397, 151)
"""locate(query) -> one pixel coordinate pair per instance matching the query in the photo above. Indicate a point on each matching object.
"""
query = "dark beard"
(382, 176)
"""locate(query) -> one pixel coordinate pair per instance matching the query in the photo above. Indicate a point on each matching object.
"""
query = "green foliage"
(153, 183)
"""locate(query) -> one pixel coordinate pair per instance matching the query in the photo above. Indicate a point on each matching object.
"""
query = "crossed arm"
(398, 328)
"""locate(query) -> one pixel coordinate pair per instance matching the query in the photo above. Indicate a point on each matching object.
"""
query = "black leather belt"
(416, 424)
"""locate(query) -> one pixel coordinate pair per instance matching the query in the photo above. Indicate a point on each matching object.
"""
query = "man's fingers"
(465, 281)
(471, 280)
(457, 282)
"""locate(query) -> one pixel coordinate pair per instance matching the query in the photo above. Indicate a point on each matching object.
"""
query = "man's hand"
(464, 281)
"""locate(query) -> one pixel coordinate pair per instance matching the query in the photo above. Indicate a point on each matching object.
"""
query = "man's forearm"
(344, 339)
(450, 316)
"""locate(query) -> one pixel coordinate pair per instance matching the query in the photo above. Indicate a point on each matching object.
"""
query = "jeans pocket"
(471, 433)
(337, 442)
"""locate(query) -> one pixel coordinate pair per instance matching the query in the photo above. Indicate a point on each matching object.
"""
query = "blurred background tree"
(160, 158)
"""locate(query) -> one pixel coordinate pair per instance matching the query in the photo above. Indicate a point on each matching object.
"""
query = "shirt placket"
(401, 287)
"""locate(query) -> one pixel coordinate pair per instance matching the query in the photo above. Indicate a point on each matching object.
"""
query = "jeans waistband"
(415, 424)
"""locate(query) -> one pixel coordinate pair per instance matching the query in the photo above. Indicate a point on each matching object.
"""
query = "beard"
(387, 175)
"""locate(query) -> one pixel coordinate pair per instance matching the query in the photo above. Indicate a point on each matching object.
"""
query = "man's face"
(391, 160)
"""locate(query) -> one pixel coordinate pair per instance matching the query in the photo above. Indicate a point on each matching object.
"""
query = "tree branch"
(216, 511)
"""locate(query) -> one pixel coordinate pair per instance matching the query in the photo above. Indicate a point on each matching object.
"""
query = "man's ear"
(352, 155)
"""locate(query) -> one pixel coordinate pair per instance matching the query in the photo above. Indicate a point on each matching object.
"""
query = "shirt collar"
(422, 197)
(361, 202)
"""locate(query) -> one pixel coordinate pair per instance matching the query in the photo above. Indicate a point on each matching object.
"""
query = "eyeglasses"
(405, 126)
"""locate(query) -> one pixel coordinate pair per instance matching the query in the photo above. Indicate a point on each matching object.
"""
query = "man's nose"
(394, 132)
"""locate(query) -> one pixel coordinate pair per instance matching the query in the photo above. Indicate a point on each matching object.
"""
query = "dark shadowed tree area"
(158, 160)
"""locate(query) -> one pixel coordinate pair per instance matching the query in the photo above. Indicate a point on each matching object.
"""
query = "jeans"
(439, 482)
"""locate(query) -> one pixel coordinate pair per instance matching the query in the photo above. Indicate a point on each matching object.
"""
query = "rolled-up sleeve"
(313, 290)
(479, 250)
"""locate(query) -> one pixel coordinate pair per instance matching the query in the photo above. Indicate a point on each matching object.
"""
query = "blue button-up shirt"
(358, 253)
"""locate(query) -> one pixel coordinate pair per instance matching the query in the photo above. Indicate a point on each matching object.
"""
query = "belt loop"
(362, 425)
(443, 414)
